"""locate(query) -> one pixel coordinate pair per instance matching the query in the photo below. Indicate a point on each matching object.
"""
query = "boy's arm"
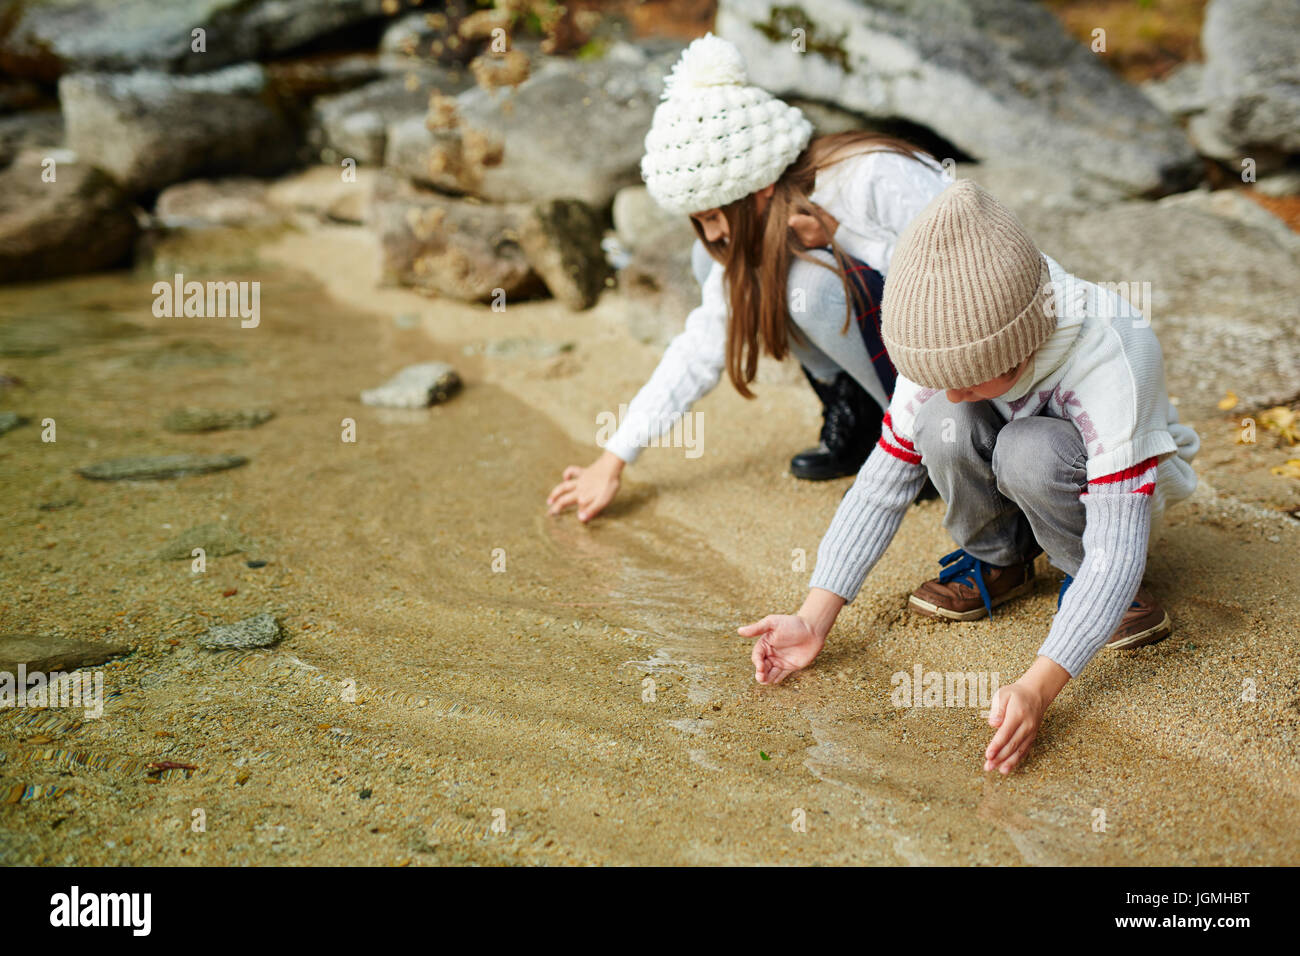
(864, 525)
(869, 515)
(1117, 510)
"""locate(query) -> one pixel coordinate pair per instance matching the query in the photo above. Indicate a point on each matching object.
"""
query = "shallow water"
(463, 679)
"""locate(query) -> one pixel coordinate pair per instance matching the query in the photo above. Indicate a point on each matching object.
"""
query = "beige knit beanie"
(968, 293)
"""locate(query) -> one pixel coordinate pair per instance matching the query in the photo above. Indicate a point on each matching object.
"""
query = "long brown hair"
(757, 254)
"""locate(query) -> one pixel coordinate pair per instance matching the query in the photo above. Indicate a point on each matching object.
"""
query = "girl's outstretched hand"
(590, 488)
(786, 643)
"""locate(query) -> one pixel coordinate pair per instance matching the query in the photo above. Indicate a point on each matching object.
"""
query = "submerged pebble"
(46, 653)
(260, 630)
(193, 419)
(156, 467)
(216, 540)
(416, 386)
(9, 421)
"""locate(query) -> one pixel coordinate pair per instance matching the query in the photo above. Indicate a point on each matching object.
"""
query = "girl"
(800, 232)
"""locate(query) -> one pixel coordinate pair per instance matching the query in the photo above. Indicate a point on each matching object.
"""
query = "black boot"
(850, 429)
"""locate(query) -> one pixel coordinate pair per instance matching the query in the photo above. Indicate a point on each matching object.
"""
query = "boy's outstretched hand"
(1017, 713)
(790, 642)
(786, 643)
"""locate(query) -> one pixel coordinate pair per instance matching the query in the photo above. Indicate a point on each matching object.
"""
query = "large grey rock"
(215, 202)
(417, 38)
(149, 130)
(46, 38)
(1252, 80)
(1224, 279)
(1181, 92)
(575, 129)
(37, 129)
(79, 222)
(1040, 194)
(355, 124)
(450, 247)
(641, 223)
(661, 285)
(999, 79)
(561, 241)
(326, 192)
(657, 280)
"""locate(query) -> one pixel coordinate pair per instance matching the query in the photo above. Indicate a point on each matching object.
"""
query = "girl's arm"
(689, 369)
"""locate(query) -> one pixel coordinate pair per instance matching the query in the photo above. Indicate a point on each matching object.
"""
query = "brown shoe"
(1145, 622)
(968, 589)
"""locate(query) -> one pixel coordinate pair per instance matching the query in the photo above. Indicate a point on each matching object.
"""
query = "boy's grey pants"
(1006, 484)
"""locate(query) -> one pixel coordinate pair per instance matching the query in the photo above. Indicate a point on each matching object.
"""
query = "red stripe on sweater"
(911, 457)
(897, 437)
(1126, 474)
(1148, 489)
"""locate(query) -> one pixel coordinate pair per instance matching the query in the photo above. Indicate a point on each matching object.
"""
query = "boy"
(1036, 402)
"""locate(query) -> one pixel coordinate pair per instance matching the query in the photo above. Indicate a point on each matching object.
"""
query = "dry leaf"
(1284, 421)
(1290, 470)
(1229, 401)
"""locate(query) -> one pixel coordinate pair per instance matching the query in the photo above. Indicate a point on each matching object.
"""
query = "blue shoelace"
(1069, 579)
(966, 569)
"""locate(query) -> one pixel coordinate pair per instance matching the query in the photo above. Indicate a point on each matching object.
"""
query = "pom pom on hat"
(708, 61)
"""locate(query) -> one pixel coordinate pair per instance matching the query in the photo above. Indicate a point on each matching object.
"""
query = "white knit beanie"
(715, 139)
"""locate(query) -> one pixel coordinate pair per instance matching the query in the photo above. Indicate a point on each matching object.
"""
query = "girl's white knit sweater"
(873, 196)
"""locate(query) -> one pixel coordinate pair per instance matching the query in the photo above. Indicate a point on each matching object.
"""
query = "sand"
(427, 709)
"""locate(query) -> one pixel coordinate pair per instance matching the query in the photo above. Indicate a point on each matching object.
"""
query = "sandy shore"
(517, 697)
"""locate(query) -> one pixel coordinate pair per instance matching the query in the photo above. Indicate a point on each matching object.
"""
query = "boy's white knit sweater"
(873, 196)
(1103, 370)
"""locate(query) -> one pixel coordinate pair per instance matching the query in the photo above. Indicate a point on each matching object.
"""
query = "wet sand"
(516, 696)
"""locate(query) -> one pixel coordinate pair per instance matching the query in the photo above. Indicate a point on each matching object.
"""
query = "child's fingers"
(757, 628)
(1024, 733)
(1005, 732)
(573, 471)
(1014, 760)
(778, 673)
(998, 711)
(565, 499)
(560, 489)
